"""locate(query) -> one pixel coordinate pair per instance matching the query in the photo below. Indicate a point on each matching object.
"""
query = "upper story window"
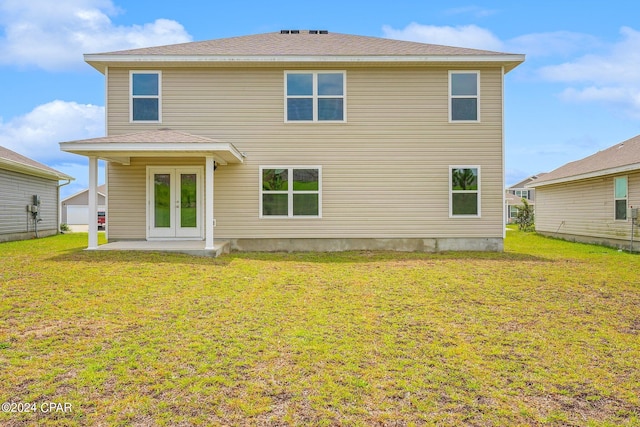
(620, 197)
(315, 96)
(464, 194)
(288, 192)
(522, 193)
(145, 96)
(464, 96)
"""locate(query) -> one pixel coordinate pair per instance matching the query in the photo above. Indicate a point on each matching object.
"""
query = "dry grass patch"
(543, 334)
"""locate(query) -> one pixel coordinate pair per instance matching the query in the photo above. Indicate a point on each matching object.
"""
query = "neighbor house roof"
(302, 46)
(101, 189)
(11, 160)
(512, 199)
(620, 158)
(525, 182)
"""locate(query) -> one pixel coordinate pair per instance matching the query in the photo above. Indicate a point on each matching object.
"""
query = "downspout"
(60, 202)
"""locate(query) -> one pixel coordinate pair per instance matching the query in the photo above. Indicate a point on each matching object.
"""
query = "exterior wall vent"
(298, 32)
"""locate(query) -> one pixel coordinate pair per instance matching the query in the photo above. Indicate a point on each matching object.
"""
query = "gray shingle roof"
(304, 44)
(624, 155)
(10, 158)
(151, 136)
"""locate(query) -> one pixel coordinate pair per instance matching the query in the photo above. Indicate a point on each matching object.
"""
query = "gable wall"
(384, 172)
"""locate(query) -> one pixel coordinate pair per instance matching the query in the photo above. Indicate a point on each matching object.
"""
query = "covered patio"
(190, 247)
(162, 143)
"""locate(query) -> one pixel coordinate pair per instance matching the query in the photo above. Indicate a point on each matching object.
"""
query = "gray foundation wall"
(613, 243)
(336, 245)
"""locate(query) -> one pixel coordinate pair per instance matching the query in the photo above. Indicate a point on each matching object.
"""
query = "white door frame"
(174, 231)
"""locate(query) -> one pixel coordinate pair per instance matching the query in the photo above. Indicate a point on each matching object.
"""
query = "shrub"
(525, 217)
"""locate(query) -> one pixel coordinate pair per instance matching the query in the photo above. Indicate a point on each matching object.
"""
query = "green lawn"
(547, 333)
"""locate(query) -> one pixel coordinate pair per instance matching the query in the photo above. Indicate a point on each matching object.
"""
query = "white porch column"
(208, 207)
(93, 203)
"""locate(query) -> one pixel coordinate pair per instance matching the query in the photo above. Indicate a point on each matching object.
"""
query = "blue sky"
(578, 91)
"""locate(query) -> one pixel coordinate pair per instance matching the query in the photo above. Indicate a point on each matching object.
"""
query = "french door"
(175, 202)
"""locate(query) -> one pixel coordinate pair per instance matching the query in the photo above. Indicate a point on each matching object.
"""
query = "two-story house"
(303, 140)
(514, 195)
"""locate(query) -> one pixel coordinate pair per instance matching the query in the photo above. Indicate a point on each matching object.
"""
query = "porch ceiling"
(156, 143)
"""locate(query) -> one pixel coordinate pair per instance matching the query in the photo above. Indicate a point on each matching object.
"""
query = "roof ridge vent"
(289, 31)
(318, 32)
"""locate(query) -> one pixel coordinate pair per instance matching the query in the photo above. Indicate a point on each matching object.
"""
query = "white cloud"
(552, 43)
(53, 35)
(611, 78)
(620, 64)
(37, 133)
(470, 36)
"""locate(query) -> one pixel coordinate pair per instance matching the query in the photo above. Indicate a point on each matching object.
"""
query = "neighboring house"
(515, 194)
(511, 203)
(319, 141)
(29, 197)
(589, 200)
(75, 208)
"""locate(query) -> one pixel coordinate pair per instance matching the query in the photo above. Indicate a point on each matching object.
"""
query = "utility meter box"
(634, 213)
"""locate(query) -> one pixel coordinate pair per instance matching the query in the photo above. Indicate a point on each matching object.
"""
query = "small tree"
(525, 217)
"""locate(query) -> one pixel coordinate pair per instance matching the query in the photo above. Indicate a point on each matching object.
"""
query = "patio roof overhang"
(157, 143)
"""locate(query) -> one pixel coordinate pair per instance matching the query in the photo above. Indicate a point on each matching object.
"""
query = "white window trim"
(290, 192)
(315, 95)
(626, 198)
(478, 191)
(477, 96)
(131, 96)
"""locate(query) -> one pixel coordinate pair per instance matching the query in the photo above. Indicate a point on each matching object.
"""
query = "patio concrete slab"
(190, 247)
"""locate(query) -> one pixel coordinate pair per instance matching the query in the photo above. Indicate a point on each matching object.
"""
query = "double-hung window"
(464, 191)
(464, 96)
(620, 197)
(287, 192)
(145, 96)
(317, 96)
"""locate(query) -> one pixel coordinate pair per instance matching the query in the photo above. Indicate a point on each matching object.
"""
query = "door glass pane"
(162, 200)
(188, 200)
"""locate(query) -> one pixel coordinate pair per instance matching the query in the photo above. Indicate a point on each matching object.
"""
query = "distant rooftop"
(624, 156)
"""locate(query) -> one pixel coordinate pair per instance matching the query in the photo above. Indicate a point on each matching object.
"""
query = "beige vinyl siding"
(385, 171)
(585, 208)
(128, 195)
